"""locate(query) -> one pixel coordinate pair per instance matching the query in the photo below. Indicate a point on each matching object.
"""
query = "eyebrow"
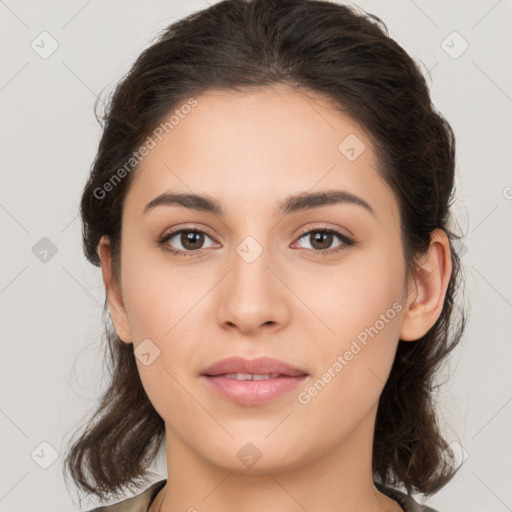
(292, 204)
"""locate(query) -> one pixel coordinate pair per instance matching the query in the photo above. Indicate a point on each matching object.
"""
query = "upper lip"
(259, 366)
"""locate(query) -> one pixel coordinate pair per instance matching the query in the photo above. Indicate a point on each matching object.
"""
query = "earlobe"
(112, 289)
(428, 288)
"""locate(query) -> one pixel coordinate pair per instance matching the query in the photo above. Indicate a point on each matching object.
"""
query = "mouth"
(249, 376)
(252, 382)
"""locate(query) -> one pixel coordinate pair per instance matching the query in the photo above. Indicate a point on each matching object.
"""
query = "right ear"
(114, 295)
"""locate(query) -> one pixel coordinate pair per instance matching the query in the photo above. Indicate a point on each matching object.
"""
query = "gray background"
(51, 304)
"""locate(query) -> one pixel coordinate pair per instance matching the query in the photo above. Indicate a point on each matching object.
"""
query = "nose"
(252, 295)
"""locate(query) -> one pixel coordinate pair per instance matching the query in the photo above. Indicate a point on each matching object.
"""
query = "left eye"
(322, 239)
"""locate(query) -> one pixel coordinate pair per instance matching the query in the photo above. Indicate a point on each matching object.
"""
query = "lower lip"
(252, 392)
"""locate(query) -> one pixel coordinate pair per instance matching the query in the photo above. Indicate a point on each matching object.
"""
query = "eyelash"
(347, 242)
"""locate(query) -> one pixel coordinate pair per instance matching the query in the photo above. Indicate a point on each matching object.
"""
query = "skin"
(250, 151)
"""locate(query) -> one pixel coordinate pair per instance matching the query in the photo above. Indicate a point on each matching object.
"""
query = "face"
(321, 288)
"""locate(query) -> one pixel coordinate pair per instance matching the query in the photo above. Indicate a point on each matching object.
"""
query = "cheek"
(163, 304)
(362, 303)
(363, 292)
(157, 295)
(352, 371)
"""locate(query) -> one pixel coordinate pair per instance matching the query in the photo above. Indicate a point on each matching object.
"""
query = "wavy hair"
(341, 53)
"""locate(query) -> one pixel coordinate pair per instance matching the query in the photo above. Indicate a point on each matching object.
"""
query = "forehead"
(253, 147)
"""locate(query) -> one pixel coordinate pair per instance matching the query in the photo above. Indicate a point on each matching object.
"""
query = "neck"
(339, 479)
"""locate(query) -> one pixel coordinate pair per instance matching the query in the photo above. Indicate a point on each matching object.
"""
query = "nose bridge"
(250, 275)
(252, 250)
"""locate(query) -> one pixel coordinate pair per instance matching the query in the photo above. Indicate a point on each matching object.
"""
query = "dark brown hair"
(337, 52)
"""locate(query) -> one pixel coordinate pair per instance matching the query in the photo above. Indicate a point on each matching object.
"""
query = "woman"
(269, 206)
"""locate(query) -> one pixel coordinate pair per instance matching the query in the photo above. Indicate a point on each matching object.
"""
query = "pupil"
(190, 239)
(322, 235)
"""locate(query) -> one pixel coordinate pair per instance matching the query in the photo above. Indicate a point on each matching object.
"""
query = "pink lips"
(252, 392)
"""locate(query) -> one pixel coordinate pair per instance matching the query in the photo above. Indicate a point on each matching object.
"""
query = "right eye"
(191, 241)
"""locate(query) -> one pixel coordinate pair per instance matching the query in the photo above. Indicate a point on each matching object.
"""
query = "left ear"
(427, 288)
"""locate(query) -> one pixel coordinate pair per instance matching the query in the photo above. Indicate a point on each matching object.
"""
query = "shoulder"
(406, 501)
(138, 503)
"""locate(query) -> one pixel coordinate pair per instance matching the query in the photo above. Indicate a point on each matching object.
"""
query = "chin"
(249, 455)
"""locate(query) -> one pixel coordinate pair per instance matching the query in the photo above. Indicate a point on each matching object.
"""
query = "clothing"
(406, 501)
(141, 502)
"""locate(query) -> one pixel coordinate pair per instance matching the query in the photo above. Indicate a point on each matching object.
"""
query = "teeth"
(250, 376)
(267, 376)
